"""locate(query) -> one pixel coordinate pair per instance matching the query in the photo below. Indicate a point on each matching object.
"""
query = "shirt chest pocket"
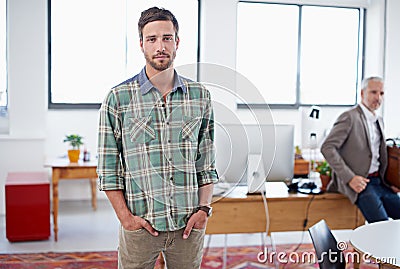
(141, 130)
(191, 128)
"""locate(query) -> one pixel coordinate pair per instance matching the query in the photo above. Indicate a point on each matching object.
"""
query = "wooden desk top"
(274, 190)
(236, 211)
(64, 163)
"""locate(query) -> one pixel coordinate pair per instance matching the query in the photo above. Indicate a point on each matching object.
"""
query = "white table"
(380, 241)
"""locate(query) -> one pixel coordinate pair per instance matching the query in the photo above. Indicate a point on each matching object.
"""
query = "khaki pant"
(139, 249)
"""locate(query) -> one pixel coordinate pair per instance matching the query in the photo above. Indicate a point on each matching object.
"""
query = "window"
(3, 57)
(299, 54)
(99, 47)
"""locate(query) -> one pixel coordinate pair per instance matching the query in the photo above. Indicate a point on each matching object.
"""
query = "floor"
(82, 229)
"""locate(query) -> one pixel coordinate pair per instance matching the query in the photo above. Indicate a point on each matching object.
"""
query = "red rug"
(236, 258)
(284, 257)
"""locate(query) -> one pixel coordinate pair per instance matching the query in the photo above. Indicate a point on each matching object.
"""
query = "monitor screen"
(236, 142)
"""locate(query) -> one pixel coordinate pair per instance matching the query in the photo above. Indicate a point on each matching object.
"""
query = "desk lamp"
(310, 187)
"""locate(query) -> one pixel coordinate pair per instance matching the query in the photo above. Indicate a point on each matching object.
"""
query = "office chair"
(326, 249)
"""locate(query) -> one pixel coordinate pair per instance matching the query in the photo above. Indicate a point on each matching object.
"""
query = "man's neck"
(162, 80)
(370, 110)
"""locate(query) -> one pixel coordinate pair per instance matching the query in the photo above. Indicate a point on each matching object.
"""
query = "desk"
(380, 240)
(63, 169)
(238, 212)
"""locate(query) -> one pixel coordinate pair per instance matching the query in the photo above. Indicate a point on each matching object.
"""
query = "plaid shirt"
(157, 152)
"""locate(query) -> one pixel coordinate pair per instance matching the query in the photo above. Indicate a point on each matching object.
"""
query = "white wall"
(392, 68)
(37, 133)
(24, 148)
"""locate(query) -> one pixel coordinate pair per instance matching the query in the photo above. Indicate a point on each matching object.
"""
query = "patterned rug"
(284, 257)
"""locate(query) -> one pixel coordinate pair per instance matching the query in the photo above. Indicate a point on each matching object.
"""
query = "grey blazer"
(347, 149)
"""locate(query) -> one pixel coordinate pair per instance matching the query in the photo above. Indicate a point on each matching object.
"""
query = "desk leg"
(55, 179)
(93, 186)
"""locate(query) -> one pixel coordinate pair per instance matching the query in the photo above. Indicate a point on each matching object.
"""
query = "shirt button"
(169, 141)
(167, 122)
(171, 178)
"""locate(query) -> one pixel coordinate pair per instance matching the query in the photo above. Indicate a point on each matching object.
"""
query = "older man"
(356, 150)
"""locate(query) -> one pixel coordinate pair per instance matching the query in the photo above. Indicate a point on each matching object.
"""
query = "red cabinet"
(27, 197)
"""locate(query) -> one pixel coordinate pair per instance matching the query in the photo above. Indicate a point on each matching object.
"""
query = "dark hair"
(156, 14)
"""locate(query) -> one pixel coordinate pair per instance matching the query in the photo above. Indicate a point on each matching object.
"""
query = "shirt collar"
(368, 114)
(146, 85)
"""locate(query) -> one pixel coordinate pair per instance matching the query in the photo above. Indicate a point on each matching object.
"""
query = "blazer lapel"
(365, 125)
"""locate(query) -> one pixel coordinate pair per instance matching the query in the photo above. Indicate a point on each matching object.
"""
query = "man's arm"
(205, 194)
(126, 218)
(199, 219)
(332, 144)
(205, 168)
(109, 167)
(330, 149)
(205, 163)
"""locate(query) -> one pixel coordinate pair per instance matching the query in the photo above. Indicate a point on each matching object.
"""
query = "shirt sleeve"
(109, 168)
(205, 164)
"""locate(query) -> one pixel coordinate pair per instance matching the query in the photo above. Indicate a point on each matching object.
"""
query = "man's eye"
(152, 39)
(168, 38)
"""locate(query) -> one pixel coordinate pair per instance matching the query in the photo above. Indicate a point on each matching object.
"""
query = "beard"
(160, 65)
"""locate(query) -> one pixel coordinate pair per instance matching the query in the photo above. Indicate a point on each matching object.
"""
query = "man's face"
(159, 44)
(372, 96)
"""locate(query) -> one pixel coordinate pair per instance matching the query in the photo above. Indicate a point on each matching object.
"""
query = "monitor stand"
(256, 177)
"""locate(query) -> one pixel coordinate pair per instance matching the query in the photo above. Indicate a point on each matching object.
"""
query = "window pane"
(326, 69)
(329, 55)
(99, 48)
(88, 51)
(267, 41)
(3, 55)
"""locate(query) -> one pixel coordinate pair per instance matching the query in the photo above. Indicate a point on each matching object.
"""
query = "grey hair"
(365, 81)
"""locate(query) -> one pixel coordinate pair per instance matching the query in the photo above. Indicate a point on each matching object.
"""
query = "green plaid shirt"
(157, 152)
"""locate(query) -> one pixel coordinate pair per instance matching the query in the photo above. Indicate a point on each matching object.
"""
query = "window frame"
(297, 91)
(4, 109)
(92, 106)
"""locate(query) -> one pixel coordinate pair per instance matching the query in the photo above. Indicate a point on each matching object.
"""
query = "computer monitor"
(273, 144)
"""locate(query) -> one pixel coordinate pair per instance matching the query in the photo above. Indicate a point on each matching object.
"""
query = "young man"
(156, 163)
(356, 150)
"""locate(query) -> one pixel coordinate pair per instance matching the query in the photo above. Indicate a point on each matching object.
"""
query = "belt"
(374, 174)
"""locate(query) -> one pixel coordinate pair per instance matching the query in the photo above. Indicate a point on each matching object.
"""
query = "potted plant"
(324, 171)
(75, 141)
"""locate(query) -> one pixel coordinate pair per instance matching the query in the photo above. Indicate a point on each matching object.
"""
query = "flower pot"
(73, 155)
(324, 181)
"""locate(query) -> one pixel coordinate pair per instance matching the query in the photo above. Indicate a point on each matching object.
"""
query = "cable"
(267, 223)
(266, 212)
(305, 222)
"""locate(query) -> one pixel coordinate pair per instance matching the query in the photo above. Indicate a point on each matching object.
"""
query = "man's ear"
(141, 45)
(177, 42)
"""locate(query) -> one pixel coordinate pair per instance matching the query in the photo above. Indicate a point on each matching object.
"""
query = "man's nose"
(160, 45)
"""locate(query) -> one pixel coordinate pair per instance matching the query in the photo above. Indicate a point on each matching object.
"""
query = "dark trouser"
(378, 202)
(139, 249)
